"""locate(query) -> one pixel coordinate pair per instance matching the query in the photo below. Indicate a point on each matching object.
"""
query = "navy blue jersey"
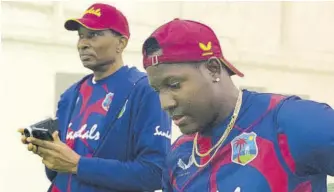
(278, 144)
(112, 124)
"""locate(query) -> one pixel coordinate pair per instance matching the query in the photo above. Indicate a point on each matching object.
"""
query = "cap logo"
(206, 48)
(96, 12)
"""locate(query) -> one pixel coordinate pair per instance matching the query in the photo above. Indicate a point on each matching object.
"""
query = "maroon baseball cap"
(101, 16)
(186, 41)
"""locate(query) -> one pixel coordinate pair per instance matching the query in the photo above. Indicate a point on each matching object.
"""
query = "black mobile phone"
(42, 130)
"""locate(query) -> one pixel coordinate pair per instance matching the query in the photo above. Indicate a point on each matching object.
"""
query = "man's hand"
(30, 146)
(56, 155)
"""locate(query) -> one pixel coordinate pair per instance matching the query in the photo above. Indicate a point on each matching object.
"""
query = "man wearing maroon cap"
(113, 134)
(233, 140)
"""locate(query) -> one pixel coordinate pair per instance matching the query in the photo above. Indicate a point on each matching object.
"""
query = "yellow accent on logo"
(206, 48)
(93, 11)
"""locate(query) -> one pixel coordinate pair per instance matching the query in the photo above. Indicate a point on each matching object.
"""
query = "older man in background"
(113, 134)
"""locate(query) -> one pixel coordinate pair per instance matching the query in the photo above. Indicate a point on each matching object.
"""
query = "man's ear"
(214, 66)
(123, 42)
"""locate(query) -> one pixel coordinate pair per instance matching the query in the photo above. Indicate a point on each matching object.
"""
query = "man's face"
(97, 49)
(185, 93)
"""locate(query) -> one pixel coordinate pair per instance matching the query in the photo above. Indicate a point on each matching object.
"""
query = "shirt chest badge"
(244, 148)
(107, 101)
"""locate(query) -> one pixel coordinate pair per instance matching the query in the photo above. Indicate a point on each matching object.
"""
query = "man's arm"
(166, 183)
(309, 127)
(50, 174)
(145, 172)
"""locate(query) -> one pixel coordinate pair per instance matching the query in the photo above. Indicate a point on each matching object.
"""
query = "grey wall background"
(63, 81)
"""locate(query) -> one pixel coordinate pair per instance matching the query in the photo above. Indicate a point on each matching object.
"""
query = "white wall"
(282, 46)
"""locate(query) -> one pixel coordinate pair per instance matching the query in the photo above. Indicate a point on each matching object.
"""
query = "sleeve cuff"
(84, 167)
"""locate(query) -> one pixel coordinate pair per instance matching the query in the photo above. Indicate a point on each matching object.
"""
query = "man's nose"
(167, 101)
(83, 44)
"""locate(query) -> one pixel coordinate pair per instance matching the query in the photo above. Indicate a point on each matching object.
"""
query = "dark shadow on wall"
(64, 81)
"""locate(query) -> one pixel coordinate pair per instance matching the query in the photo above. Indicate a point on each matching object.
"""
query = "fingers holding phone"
(23, 137)
(30, 146)
(33, 148)
(41, 130)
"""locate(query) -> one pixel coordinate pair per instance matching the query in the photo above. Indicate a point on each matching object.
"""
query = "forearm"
(113, 174)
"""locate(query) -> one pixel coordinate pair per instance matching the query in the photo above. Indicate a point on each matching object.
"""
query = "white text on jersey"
(161, 133)
(82, 133)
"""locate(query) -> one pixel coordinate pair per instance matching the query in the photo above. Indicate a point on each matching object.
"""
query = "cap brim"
(74, 24)
(231, 67)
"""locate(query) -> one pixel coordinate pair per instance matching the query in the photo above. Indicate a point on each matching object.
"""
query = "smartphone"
(42, 130)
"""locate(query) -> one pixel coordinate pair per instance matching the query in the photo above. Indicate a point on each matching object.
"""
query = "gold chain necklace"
(222, 138)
